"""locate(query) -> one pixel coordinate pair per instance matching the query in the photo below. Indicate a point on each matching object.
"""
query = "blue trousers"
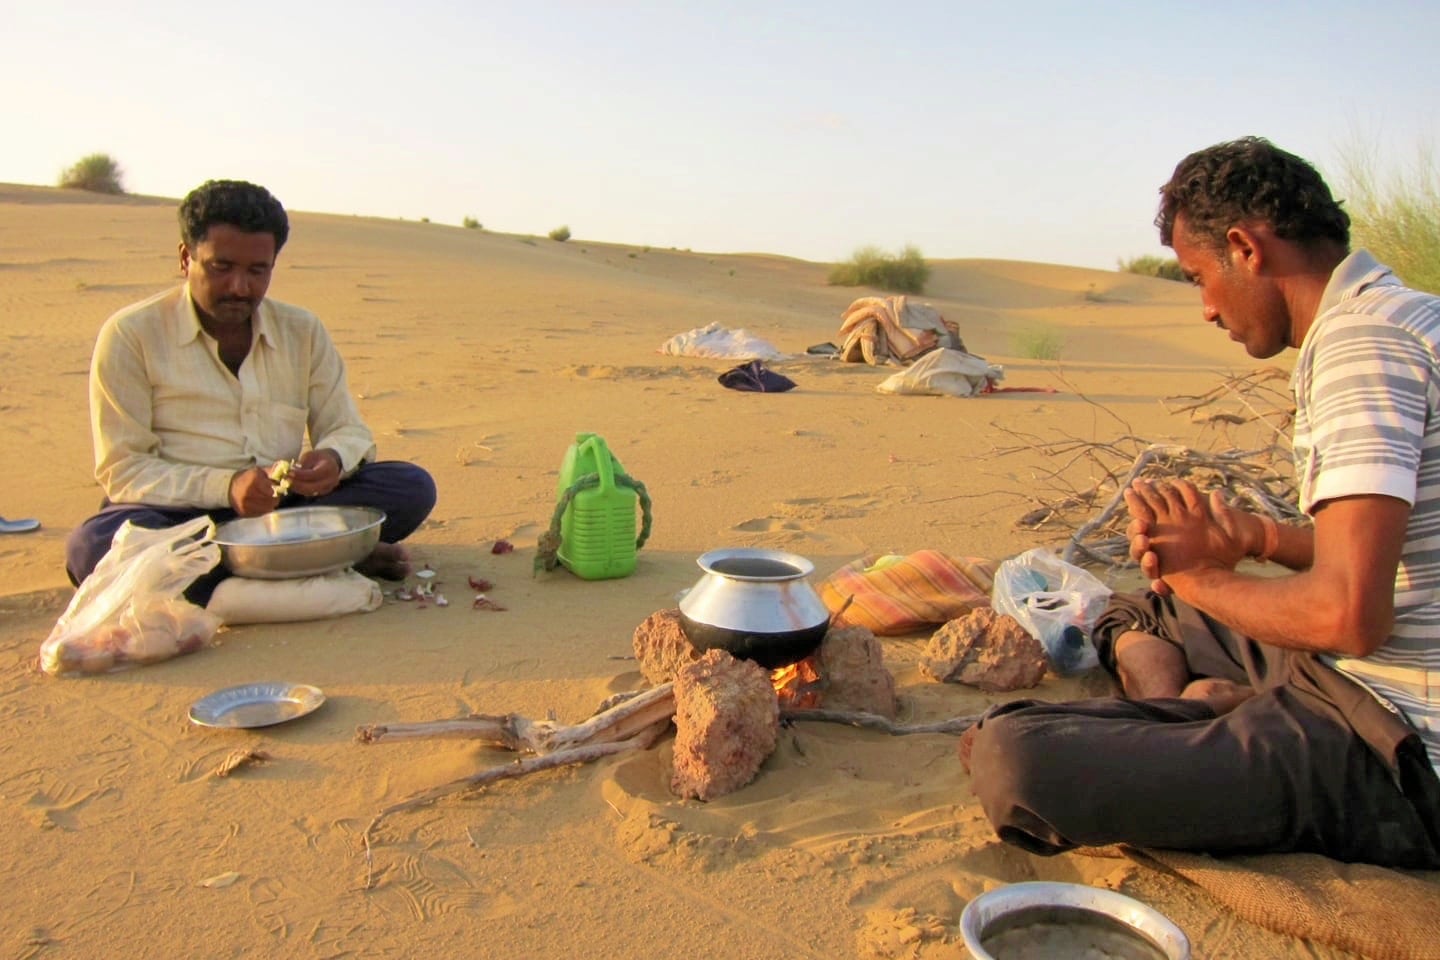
(404, 491)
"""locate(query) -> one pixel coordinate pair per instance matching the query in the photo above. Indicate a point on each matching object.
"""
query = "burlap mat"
(1379, 913)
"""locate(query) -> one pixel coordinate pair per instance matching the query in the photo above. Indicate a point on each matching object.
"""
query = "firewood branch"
(873, 721)
(514, 732)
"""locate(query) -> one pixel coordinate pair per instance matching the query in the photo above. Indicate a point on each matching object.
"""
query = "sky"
(1016, 130)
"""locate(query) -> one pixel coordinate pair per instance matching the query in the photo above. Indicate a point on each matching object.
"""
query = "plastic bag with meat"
(130, 610)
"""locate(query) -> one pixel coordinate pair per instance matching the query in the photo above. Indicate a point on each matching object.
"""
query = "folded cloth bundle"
(893, 595)
(244, 600)
(753, 376)
(881, 330)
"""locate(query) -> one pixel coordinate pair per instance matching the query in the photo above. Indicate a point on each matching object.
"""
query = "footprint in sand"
(58, 804)
(588, 371)
(526, 534)
(776, 532)
(428, 886)
(799, 519)
(715, 478)
(770, 525)
(825, 508)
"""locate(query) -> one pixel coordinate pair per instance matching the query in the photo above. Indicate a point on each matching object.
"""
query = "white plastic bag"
(1056, 602)
(130, 610)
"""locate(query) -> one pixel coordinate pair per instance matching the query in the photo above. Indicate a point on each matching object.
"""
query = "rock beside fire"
(984, 649)
(727, 722)
(661, 647)
(852, 663)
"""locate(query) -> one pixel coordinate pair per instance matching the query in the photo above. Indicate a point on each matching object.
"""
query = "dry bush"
(98, 173)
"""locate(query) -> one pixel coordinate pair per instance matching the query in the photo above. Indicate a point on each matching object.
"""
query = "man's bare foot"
(388, 561)
(1149, 667)
(1221, 695)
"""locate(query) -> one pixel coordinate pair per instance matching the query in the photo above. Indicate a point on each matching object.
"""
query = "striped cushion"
(894, 595)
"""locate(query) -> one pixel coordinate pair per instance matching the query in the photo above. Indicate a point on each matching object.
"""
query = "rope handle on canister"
(588, 480)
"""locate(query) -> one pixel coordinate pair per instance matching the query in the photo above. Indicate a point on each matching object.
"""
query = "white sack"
(244, 600)
(945, 372)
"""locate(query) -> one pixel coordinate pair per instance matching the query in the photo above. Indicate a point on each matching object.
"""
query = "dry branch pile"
(1250, 459)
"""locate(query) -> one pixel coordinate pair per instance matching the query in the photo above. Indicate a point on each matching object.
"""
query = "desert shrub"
(1153, 266)
(470, 223)
(1398, 220)
(1038, 343)
(98, 173)
(561, 234)
(872, 267)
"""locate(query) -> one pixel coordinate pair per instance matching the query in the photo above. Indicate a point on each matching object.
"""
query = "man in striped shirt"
(1289, 713)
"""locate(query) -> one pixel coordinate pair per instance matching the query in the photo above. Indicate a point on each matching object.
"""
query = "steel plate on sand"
(256, 705)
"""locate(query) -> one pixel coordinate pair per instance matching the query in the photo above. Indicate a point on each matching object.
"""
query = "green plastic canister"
(597, 531)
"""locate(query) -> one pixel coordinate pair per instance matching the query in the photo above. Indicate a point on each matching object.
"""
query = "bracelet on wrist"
(1272, 538)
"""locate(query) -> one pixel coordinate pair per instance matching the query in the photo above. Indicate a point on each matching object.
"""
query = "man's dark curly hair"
(1251, 180)
(236, 203)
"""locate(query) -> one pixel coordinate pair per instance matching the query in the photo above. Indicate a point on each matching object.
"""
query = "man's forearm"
(146, 479)
(1297, 611)
(1295, 547)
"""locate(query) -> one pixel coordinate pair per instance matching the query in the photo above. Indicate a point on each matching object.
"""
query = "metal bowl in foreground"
(298, 542)
(1023, 920)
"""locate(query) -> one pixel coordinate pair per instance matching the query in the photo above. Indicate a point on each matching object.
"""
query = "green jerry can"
(597, 530)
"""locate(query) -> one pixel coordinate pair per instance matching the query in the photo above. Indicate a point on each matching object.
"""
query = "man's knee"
(1006, 757)
(86, 546)
(1010, 762)
(419, 498)
(405, 492)
(425, 490)
(88, 543)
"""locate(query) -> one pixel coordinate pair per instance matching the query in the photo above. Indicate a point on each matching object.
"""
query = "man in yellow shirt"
(197, 392)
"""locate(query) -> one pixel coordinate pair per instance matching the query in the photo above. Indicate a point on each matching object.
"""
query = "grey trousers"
(1311, 763)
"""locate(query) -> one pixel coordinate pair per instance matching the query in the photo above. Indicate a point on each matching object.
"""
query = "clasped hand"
(1175, 531)
(314, 474)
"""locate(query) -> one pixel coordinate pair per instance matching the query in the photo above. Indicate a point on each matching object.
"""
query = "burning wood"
(798, 685)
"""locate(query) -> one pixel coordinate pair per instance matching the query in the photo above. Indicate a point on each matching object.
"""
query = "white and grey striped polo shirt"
(1367, 421)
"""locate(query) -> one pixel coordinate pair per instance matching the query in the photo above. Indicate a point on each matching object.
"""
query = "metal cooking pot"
(757, 605)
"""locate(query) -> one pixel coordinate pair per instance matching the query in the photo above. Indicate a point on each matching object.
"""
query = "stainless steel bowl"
(1042, 901)
(298, 542)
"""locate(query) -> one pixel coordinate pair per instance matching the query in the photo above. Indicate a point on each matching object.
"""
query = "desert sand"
(479, 356)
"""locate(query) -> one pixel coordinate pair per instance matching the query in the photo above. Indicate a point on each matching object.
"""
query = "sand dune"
(480, 356)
